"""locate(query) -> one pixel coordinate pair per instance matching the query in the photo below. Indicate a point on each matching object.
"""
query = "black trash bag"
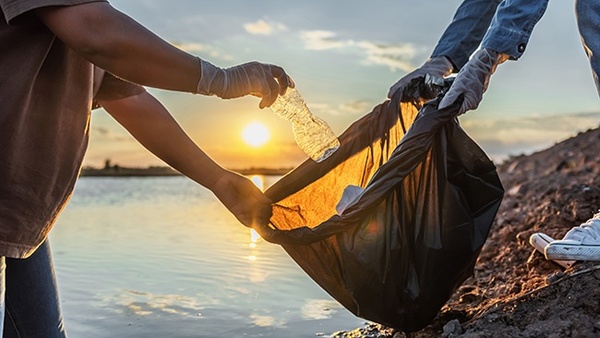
(395, 255)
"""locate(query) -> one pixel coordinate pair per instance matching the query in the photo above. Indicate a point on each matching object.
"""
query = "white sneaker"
(581, 243)
(540, 240)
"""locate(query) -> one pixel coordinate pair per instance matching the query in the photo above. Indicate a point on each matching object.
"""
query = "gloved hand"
(437, 67)
(255, 78)
(472, 80)
(243, 199)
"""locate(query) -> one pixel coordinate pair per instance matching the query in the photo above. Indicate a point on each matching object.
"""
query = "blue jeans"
(588, 22)
(31, 306)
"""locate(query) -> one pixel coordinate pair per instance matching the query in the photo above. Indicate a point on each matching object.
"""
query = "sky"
(343, 57)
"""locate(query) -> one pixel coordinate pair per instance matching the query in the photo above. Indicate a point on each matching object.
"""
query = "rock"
(515, 292)
(452, 329)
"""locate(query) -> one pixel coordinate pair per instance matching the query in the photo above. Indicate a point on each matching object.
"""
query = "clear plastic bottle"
(312, 134)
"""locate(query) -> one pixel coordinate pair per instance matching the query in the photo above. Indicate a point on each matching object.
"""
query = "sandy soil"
(515, 291)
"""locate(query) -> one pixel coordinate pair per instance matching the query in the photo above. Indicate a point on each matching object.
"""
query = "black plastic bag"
(395, 255)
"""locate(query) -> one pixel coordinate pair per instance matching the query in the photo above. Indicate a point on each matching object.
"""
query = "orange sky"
(219, 135)
(343, 67)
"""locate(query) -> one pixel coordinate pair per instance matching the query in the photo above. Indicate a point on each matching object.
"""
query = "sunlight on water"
(254, 237)
(258, 181)
(161, 257)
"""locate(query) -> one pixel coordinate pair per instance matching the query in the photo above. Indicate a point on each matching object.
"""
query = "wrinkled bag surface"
(395, 255)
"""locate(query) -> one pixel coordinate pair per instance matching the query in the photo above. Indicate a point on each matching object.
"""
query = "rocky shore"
(515, 291)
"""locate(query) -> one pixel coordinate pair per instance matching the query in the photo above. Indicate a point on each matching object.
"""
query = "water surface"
(161, 257)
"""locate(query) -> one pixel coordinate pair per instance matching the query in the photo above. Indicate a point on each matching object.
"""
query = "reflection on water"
(254, 237)
(138, 303)
(258, 181)
(161, 257)
(320, 308)
(266, 321)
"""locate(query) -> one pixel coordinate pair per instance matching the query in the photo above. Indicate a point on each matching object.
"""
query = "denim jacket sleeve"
(512, 26)
(465, 32)
(504, 26)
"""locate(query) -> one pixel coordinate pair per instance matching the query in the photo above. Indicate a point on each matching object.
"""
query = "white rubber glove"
(437, 67)
(472, 80)
(254, 78)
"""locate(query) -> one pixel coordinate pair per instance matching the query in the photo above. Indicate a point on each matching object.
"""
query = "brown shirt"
(45, 102)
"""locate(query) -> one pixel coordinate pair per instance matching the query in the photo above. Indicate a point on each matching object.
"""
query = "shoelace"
(591, 228)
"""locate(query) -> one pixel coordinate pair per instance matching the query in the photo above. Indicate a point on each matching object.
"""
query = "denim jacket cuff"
(506, 41)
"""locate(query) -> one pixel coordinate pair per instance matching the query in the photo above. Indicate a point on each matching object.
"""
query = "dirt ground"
(515, 291)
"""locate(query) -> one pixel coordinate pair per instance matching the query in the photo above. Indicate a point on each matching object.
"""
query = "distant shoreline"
(118, 171)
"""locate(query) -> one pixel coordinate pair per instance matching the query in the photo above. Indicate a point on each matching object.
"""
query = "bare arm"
(115, 42)
(120, 45)
(154, 127)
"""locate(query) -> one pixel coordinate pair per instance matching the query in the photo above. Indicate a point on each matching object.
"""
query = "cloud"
(101, 130)
(503, 137)
(322, 109)
(394, 56)
(196, 47)
(321, 40)
(262, 27)
(192, 46)
(356, 107)
(109, 135)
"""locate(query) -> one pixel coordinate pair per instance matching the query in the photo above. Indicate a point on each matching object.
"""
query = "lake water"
(161, 257)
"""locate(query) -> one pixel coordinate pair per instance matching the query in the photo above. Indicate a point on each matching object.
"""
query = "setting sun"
(255, 134)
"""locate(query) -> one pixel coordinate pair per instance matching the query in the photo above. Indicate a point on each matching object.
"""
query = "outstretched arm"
(117, 43)
(507, 37)
(464, 34)
(501, 26)
(153, 126)
(460, 39)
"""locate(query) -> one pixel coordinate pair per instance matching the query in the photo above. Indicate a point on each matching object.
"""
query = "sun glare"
(255, 134)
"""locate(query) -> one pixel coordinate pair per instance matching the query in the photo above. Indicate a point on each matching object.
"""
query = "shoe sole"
(572, 252)
(540, 241)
